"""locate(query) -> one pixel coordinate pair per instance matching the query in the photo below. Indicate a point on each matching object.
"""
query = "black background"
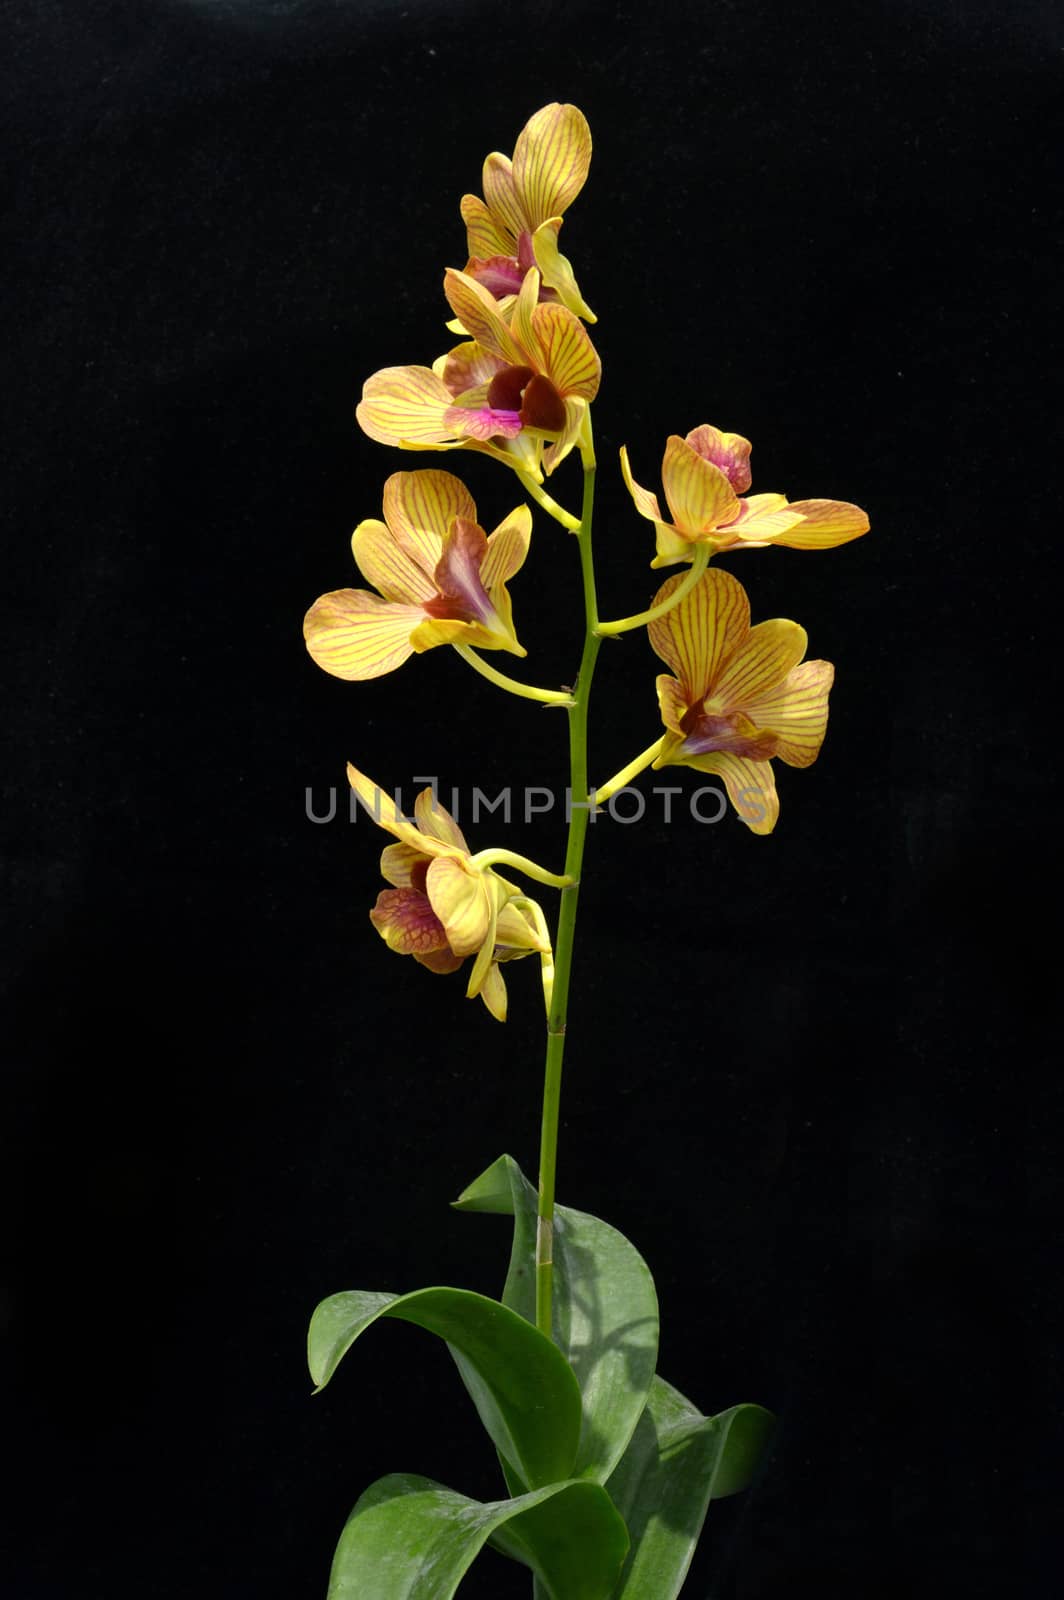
(806, 1074)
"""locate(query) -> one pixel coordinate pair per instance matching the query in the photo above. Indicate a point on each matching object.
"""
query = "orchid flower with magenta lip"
(442, 580)
(443, 907)
(704, 476)
(519, 389)
(741, 695)
(516, 225)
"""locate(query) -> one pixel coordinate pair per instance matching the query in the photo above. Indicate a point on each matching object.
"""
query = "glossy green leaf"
(523, 1388)
(678, 1460)
(605, 1310)
(411, 1539)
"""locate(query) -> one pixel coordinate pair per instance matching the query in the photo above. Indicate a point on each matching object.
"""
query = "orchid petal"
(568, 357)
(728, 451)
(750, 784)
(699, 634)
(763, 520)
(356, 635)
(824, 524)
(493, 993)
(698, 493)
(673, 703)
(407, 923)
(400, 862)
(420, 509)
(797, 712)
(507, 548)
(671, 545)
(557, 270)
(758, 666)
(514, 930)
(551, 161)
(500, 193)
(385, 564)
(479, 314)
(406, 406)
(484, 236)
(479, 635)
(440, 960)
(462, 901)
(386, 814)
(436, 822)
(645, 502)
(525, 304)
(467, 366)
(555, 453)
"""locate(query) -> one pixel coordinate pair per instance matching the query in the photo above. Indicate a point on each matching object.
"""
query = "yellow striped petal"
(405, 406)
(501, 196)
(484, 236)
(398, 862)
(507, 548)
(645, 502)
(763, 520)
(697, 636)
(521, 316)
(356, 635)
(751, 787)
(698, 493)
(386, 814)
(797, 711)
(555, 453)
(557, 270)
(758, 666)
(824, 523)
(436, 822)
(467, 366)
(420, 508)
(551, 160)
(673, 703)
(479, 315)
(493, 993)
(462, 901)
(567, 355)
(671, 546)
(383, 562)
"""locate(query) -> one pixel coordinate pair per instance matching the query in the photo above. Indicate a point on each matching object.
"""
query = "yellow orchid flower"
(443, 907)
(741, 695)
(516, 225)
(518, 389)
(704, 476)
(442, 580)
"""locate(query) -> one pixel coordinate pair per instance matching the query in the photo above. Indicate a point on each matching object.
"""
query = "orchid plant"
(608, 1471)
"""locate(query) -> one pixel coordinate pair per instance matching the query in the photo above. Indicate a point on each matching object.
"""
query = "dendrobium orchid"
(519, 389)
(517, 223)
(741, 695)
(442, 580)
(704, 476)
(443, 907)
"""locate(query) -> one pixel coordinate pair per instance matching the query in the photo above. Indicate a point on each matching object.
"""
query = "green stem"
(510, 858)
(540, 495)
(579, 813)
(625, 624)
(527, 691)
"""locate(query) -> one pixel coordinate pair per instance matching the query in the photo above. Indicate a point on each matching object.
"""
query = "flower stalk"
(579, 813)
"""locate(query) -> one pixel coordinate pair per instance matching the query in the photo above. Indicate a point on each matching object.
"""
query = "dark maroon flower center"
(532, 396)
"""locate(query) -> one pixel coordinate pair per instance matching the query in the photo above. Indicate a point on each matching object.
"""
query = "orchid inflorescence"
(518, 387)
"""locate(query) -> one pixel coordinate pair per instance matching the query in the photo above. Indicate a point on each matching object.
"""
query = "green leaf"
(411, 1539)
(605, 1310)
(522, 1386)
(677, 1462)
